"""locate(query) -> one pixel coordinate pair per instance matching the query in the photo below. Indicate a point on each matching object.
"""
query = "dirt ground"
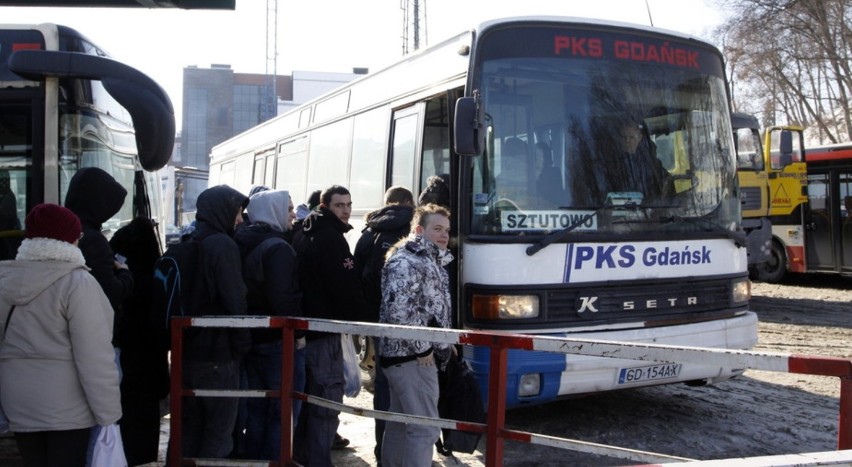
(760, 413)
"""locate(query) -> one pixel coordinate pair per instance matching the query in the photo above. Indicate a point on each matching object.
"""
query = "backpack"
(177, 288)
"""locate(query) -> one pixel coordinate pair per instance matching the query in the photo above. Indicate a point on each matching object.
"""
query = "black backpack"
(178, 287)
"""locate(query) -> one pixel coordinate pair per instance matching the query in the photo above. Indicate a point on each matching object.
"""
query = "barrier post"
(844, 435)
(174, 449)
(286, 397)
(496, 406)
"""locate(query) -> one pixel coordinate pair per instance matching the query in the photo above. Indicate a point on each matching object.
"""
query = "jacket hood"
(271, 207)
(94, 196)
(40, 262)
(217, 208)
(391, 218)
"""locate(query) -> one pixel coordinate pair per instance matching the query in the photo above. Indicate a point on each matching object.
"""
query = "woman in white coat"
(58, 376)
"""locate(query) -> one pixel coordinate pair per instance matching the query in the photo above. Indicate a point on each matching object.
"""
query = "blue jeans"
(208, 422)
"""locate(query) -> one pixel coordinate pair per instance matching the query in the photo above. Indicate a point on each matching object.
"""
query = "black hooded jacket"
(385, 227)
(94, 196)
(217, 209)
(330, 284)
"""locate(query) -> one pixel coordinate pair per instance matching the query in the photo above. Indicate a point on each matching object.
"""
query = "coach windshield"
(597, 132)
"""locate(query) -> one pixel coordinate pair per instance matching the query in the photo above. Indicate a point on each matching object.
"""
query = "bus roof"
(830, 152)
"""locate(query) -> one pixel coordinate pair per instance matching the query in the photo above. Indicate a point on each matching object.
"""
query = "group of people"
(74, 356)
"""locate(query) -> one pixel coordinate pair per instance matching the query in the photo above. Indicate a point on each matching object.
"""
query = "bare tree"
(790, 62)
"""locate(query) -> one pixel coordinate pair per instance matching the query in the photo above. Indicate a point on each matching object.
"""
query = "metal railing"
(499, 344)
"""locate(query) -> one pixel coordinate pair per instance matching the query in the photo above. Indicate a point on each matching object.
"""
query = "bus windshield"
(601, 132)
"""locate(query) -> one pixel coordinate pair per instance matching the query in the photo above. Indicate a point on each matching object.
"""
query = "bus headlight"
(529, 385)
(741, 291)
(505, 306)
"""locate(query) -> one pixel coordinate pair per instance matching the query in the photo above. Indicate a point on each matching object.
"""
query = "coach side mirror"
(469, 128)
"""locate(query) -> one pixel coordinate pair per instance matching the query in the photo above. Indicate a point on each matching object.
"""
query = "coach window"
(328, 162)
(367, 178)
(436, 140)
(406, 126)
(292, 163)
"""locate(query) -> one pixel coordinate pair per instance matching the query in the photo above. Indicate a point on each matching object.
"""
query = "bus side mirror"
(785, 146)
(469, 130)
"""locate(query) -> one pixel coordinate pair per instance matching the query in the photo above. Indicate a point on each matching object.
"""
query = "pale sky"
(320, 35)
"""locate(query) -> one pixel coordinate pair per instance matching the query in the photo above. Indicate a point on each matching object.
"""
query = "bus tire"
(774, 269)
(365, 350)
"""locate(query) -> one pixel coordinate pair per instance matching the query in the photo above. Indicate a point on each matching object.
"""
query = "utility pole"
(414, 21)
(269, 99)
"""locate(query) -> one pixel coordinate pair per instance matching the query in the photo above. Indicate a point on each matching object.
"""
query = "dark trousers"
(140, 427)
(318, 425)
(381, 401)
(208, 422)
(64, 448)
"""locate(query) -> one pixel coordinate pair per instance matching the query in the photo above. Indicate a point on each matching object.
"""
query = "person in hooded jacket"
(212, 355)
(415, 292)
(95, 196)
(270, 271)
(385, 227)
(331, 290)
(58, 377)
(144, 363)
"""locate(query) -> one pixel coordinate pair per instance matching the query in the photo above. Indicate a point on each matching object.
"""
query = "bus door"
(820, 246)
(844, 181)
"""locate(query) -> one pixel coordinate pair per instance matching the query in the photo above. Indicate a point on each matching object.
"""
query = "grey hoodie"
(271, 207)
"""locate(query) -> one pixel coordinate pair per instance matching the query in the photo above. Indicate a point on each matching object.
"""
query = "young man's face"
(291, 214)
(437, 230)
(341, 206)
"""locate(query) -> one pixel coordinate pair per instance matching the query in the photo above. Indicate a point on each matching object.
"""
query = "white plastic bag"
(351, 369)
(108, 450)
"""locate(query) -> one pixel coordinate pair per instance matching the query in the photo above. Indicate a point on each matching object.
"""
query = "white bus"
(65, 105)
(550, 236)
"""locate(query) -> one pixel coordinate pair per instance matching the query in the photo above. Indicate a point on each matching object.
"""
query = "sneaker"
(339, 442)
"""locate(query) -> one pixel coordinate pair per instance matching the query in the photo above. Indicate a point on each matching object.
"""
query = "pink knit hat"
(53, 221)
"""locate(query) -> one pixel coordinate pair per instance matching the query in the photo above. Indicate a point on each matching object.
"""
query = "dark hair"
(546, 152)
(314, 200)
(326, 195)
(437, 191)
(399, 195)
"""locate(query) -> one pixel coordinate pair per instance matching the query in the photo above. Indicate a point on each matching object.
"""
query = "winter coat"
(216, 211)
(270, 272)
(415, 292)
(94, 196)
(385, 227)
(57, 366)
(330, 285)
(144, 364)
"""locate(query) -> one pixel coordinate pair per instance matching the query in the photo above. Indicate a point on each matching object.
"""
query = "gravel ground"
(758, 414)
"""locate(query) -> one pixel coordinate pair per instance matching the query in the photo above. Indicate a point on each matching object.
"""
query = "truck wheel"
(774, 269)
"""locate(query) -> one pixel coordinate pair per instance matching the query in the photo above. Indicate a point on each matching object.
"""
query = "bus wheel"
(773, 269)
(366, 350)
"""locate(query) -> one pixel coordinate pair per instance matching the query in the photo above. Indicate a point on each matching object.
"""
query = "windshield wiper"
(560, 234)
(739, 237)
